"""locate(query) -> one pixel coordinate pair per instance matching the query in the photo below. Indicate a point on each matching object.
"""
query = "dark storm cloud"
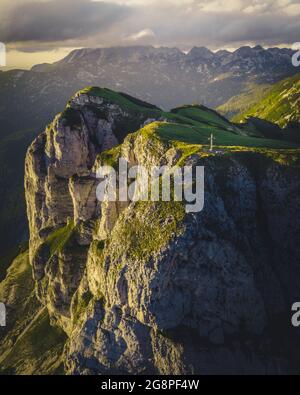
(59, 20)
(223, 22)
(182, 23)
(229, 28)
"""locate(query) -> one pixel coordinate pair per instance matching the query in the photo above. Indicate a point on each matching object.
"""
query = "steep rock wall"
(146, 288)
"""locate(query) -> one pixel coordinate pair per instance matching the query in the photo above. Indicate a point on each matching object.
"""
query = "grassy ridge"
(122, 99)
(198, 134)
(280, 105)
(195, 124)
(241, 103)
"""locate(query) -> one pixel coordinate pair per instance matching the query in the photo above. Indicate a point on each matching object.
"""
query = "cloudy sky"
(38, 31)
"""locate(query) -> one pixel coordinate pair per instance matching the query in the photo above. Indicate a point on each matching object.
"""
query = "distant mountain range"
(169, 77)
(166, 77)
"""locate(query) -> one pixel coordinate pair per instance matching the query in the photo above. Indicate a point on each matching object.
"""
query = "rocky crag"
(144, 287)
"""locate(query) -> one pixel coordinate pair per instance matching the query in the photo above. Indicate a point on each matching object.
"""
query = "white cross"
(2, 55)
(211, 141)
(2, 314)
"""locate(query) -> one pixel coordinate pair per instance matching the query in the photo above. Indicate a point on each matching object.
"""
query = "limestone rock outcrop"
(60, 190)
(144, 287)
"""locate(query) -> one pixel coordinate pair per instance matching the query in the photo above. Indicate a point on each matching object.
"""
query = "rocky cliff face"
(145, 287)
(60, 191)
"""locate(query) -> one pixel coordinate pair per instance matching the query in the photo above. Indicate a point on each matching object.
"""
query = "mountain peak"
(243, 51)
(258, 48)
(200, 52)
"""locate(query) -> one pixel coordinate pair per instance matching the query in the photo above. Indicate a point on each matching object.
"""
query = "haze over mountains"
(168, 77)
